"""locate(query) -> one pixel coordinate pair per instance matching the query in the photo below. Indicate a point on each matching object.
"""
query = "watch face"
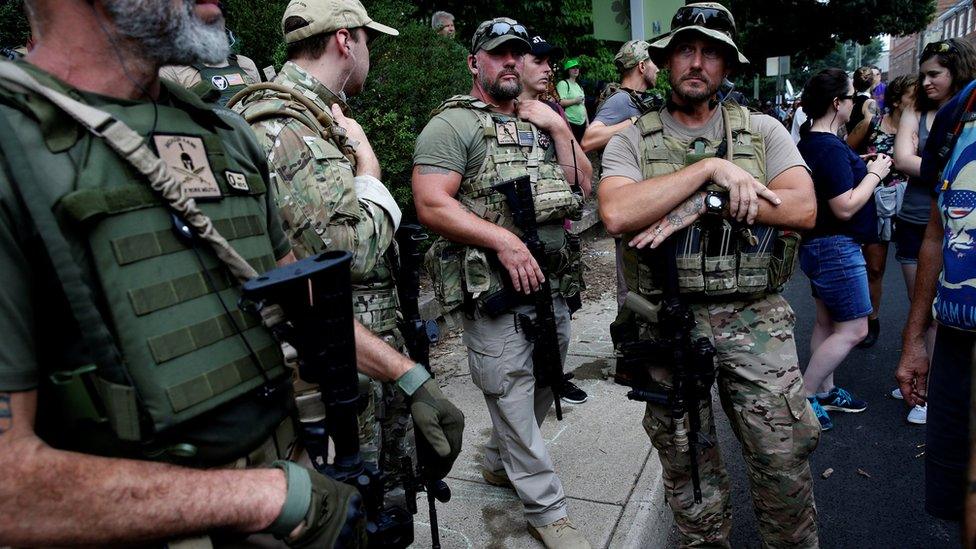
(713, 201)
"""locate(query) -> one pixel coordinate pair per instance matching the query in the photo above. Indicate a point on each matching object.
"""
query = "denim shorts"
(908, 241)
(838, 277)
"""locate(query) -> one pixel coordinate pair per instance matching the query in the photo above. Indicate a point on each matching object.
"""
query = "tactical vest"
(219, 84)
(643, 102)
(171, 307)
(513, 150)
(714, 257)
(374, 292)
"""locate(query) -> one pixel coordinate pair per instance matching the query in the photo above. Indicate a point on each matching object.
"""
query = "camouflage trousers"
(385, 425)
(761, 392)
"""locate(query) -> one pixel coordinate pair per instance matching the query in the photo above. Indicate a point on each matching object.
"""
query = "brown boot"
(499, 478)
(559, 535)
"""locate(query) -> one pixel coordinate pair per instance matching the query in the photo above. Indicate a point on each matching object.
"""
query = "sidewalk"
(602, 455)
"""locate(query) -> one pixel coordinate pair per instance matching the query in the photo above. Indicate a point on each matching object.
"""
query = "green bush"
(410, 75)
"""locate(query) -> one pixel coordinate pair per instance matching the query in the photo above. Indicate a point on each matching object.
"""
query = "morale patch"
(237, 181)
(544, 140)
(220, 82)
(526, 138)
(187, 157)
(234, 79)
(506, 133)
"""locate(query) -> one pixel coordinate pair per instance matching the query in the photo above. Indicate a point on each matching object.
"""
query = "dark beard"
(500, 91)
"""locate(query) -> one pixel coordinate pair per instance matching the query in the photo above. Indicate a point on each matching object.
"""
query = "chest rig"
(374, 291)
(715, 257)
(181, 346)
(219, 84)
(513, 149)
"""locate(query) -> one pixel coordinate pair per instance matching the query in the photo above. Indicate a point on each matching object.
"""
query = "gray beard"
(166, 37)
(499, 91)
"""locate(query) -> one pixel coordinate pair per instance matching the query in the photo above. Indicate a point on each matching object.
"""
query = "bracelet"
(880, 179)
(298, 498)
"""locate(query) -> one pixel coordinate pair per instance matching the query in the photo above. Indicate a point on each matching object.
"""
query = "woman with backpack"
(945, 67)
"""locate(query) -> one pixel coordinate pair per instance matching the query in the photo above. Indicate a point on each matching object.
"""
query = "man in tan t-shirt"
(713, 187)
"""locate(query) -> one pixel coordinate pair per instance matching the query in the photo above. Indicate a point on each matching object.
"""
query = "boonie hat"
(710, 19)
(631, 53)
(570, 63)
(324, 16)
(541, 48)
(494, 32)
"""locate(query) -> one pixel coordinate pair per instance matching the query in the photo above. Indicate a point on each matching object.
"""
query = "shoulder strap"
(960, 120)
(131, 147)
(95, 333)
(460, 102)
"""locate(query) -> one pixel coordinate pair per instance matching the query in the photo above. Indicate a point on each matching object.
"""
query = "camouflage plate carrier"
(723, 258)
(461, 272)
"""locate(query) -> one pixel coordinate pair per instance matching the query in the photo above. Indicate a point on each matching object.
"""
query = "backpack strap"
(960, 117)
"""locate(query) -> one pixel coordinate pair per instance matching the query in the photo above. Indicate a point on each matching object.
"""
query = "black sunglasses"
(710, 18)
(502, 28)
(843, 97)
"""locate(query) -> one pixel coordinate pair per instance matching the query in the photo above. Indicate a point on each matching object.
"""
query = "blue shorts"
(908, 241)
(838, 276)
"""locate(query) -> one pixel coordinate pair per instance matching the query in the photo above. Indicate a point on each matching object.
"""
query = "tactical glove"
(440, 425)
(333, 511)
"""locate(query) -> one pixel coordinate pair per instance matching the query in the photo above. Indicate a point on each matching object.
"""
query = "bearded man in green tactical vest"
(724, 185)
(133, 390)
(472, 143)
(328, 188)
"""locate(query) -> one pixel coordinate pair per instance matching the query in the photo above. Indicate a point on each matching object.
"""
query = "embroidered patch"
(220, 82)
(234, 79)
(187, 157)
(506, 133)
(526, 138)
(544, 140)
(237, 181)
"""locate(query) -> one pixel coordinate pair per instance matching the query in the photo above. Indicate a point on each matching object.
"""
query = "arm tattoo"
(6, 414)
(689, 207)
(426, 169)
(873, 109)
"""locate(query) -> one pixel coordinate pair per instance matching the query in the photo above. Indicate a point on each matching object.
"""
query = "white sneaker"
(917, 415)
(896, 393)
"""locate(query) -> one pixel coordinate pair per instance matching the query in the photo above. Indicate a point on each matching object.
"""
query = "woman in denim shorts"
(831, 252)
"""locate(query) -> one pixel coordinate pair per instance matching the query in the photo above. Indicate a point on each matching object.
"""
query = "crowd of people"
(136, 383)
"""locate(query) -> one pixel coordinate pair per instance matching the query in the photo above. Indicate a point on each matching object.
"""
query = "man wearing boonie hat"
(701, 171)
(472, 143)
(330, 196)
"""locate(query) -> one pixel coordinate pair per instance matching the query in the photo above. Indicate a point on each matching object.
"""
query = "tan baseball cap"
(325, 16)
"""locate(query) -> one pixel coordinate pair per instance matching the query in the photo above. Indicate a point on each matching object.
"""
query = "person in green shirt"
(572, 98)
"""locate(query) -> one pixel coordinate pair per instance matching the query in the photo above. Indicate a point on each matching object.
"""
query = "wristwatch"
(715, 202)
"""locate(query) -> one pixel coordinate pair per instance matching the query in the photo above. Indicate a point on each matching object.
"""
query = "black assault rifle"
(547, 361)
(417, 337)
(691, 363)
(316, 297)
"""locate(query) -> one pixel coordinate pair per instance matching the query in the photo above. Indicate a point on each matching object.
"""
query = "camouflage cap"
(630, 54)
(325, 16)
(495, 32)
(710, 19)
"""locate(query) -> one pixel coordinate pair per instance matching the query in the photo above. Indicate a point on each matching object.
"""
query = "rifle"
(691, 362)
(547, 361)
(416, 333)
(316, 297)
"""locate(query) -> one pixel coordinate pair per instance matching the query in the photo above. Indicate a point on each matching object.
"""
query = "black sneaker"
(572, 394)
(874, 328)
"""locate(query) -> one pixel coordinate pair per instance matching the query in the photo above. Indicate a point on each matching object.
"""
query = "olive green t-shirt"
(455, 139)
(39, 329)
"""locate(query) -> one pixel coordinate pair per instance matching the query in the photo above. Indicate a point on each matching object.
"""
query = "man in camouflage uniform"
(471, 144)
(328, 187)
(672, 175)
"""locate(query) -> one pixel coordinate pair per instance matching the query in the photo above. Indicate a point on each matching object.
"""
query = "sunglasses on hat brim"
(709, 18)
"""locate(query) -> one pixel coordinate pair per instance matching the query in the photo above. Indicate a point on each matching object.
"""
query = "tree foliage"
(14, 30)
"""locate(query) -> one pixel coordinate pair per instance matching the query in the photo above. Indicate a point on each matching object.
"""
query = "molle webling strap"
(131, 147)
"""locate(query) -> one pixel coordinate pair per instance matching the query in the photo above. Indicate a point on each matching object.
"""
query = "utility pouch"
(719, 259)
(783, 262)
(754, 258)
(443, 264)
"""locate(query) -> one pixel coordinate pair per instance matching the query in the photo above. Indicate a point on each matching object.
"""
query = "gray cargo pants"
(501, 366)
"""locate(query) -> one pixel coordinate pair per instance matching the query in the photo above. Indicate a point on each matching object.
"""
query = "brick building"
(954, 19)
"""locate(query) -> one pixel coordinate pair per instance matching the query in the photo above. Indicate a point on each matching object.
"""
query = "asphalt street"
(875, 495)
